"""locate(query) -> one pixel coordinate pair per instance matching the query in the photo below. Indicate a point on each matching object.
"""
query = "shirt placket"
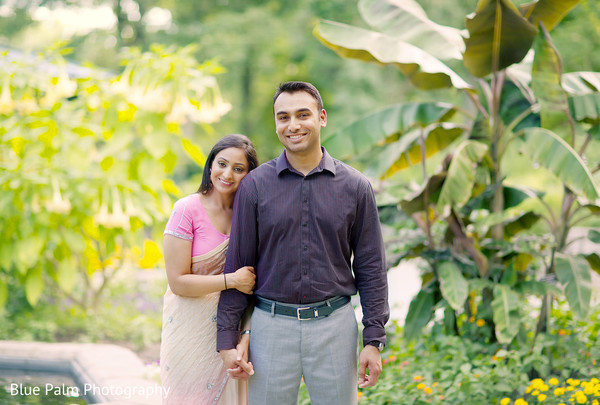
(304, 241)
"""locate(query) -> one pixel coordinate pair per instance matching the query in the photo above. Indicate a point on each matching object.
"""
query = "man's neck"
(304, 163)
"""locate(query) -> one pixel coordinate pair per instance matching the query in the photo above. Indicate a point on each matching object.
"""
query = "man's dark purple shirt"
(309, 238)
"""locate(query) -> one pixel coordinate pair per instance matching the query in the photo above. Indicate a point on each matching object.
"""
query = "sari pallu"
(191, 369)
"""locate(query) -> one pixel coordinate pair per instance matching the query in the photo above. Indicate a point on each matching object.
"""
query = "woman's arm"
(178, 261)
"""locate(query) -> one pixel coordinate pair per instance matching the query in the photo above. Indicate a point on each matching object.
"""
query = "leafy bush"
(442, 369)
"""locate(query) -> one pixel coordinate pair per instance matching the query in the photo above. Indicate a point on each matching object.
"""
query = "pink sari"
(191, 368)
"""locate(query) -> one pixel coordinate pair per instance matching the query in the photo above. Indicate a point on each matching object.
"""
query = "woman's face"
(227, 170)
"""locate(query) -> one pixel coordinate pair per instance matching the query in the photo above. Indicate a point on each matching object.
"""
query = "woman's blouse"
(190, 221)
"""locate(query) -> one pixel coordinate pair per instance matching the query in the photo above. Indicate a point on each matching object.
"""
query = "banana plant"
(518, 102)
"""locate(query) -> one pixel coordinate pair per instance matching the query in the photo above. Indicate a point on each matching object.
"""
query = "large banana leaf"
(407, 21)
(375, 128)
(550, 12)
(545, 82)
(391, 158)
(419, 314)
(574, 273)
(421, 68)
(454, 286)
(498, 37)
(457, 187)
(553, 153)
(416, 201)
(586, 108)
(506, 313)
(578, 83)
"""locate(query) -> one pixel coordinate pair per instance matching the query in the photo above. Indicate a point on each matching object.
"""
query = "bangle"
(225, 278)
(245, 332)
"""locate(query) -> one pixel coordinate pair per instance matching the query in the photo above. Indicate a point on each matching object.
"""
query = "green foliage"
(129, 314)
(86, 164)
(510, 74)
(441, 369)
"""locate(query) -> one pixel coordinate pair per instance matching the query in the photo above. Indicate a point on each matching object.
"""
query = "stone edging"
(113, 374)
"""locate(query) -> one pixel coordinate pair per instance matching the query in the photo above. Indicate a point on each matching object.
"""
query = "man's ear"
(323, 118)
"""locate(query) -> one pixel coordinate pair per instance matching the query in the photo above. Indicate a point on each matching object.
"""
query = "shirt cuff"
(227, 339)
(374, 333)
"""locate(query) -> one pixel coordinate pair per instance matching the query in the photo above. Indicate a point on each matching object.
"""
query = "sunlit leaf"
(457, 187)
(506, 313)
(421, 68)
(152, 255)
(579, 83)
(34, 285)
(378, 127)
(454, 286)
(3, 294)
(553, 153)
(550, 12)
(407, 21)
(194, 152)
(574, 273)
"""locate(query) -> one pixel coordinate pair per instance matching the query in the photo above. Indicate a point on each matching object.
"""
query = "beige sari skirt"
(191, 369)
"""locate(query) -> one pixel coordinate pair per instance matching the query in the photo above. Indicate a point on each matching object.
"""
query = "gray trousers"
(323, 351)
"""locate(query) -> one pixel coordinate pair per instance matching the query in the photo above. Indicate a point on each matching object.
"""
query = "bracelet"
(245, 332)
(225, 278)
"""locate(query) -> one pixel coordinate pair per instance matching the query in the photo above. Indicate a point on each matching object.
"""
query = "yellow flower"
(553, 381)
(420, 386)
(536, 392)
(505, 401)
(360, 394)
(544, 388)
(428, 390)
(472, 319)
(521, 401)
(559, 391)
(541, 397)
(580, 397)
(480, 322)
(418, 378)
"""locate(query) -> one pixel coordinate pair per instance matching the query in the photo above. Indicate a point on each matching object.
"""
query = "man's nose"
(294, 124)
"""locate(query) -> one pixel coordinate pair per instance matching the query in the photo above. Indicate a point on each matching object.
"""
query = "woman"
(195, 241)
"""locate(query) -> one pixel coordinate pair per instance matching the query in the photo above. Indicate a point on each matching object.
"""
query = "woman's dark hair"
(228, 141)
(293, 87)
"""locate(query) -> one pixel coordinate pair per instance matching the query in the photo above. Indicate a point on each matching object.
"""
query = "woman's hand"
(243, 279)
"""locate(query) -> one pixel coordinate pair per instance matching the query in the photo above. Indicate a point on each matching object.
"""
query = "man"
(309, 225)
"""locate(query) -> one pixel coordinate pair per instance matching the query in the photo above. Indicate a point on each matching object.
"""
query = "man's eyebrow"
(297, 111)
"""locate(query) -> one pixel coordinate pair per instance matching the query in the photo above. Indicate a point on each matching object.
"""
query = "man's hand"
(369, 359)
(236, 362)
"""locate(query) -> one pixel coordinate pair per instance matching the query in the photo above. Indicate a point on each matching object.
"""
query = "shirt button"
(304, 224)
(305, 247)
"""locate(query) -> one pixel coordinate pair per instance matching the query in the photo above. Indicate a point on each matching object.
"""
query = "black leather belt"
(302, 312)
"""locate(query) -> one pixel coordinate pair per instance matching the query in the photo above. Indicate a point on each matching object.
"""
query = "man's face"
(298, 122)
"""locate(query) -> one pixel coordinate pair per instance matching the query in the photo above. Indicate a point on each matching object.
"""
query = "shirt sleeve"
(242, 249)
(180, 223)
(369, 266)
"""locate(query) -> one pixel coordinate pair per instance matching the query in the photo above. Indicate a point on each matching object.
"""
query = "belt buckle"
(304, 309)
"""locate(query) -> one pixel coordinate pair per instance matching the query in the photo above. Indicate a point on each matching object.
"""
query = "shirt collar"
(326, 163)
